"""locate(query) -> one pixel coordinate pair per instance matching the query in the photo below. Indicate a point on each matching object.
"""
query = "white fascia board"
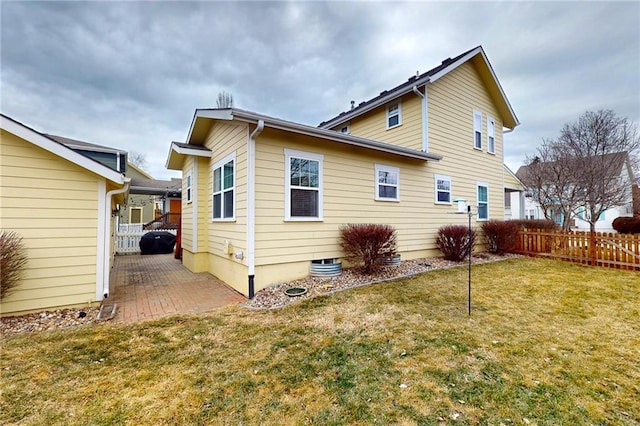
(216, 114)
(60, 150)
(334, 136)
(382, 101)
(179, 150)
(191, 151)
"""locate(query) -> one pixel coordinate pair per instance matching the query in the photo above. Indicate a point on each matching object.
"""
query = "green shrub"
(455, 242)
(536, 224)
(13, 259)
(502, 236)
(367, 242)
(627, 225)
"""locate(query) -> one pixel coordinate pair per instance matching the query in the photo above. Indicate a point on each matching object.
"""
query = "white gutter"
(251, 204)
(425, 117)
(106, 254)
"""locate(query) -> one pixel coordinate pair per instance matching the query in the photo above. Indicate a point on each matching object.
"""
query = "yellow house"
(62, 203)
(264, 197)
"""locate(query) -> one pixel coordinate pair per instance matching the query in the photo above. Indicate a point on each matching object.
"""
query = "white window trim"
(435, 187)
(188, 189)
(220, 165)
(477, 114)
(491, 133)
(478, 185)
(399, 105)
(288, 154)
(390, 169)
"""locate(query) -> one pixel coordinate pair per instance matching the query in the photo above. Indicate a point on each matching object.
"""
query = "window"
(345, 129)
(443, 189)
(491, 135)
(224, 183)
(483, 201)
(532, 214)
(387, 183)
(188, 186)
(135, 215)
(303, 185)
(477, 130)
(394, 115)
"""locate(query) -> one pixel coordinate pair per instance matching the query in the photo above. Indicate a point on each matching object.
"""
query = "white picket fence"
(128, 238)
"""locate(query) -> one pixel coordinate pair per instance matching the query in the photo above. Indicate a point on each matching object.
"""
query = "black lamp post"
(470, 250)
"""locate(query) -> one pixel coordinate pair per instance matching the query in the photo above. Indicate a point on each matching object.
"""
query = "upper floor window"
(394, 115)
(483, 201)
(387, 183)
(224, 183)
(345, 129)
(443, 189)
(491, 135)
(303, 185)
(477, 130)
(188, 186)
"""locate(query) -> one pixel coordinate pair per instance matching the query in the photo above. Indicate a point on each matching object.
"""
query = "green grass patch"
(547, 343)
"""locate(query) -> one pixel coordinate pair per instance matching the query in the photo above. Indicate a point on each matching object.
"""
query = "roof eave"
(334, 136)
(177, 155)
(59, 149)
(379, 102)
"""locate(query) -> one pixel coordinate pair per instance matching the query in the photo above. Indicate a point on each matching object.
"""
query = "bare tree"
(225, 100)
(138, 159)
(588, 167)
(553, 185)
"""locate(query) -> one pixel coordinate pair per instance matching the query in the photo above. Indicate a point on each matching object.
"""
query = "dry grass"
(547, 343)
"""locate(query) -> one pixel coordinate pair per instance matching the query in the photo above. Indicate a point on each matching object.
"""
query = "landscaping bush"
(454, 242)
(13, 259)
(627, 225)
(536, 224)
(366, 242)
(502, 236)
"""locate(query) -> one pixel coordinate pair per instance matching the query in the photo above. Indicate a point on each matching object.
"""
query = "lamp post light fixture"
(464, 208)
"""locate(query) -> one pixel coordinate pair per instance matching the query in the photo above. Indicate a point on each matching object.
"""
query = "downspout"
(425, 116)
(251, 206)
(107, 235)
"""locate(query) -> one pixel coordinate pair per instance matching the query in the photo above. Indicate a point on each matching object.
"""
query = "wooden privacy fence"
(620, 251)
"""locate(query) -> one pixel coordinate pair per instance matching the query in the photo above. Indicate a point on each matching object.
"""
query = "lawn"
(548, 343)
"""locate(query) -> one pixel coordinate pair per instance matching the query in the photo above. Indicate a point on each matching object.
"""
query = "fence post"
(592, 248)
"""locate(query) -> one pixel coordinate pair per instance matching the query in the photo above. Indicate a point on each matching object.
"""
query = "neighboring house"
(620, 168)
(62, 203)
(113, 158)
(150, 199)
(265, 197)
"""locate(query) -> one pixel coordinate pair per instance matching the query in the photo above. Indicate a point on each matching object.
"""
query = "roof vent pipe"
(353, 104)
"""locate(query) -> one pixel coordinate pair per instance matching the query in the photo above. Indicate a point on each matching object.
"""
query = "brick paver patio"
(154, 286)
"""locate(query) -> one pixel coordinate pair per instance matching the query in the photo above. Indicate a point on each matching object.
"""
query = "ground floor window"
(483, 201)
(303, 185)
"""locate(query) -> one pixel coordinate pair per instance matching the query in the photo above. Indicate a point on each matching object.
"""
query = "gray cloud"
(129, 75)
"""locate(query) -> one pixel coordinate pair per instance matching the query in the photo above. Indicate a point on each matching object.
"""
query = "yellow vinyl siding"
(53, 204)
(452, 100)
(373, 125)
(187, 207)
(349, 192)
(224, 139)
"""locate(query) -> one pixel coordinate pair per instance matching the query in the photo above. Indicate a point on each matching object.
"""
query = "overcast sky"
(130, 74)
